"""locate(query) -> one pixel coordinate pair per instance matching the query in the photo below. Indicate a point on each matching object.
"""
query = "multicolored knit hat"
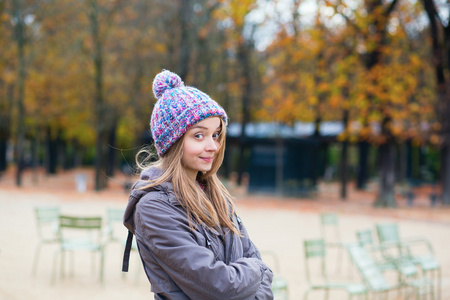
(178, 108)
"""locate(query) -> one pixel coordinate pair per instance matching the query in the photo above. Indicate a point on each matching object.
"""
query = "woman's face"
(200, 146)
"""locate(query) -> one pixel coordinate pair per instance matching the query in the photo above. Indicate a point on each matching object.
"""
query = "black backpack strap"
(126, 254)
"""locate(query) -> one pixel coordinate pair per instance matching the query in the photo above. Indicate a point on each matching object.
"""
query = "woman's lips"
(207, 159)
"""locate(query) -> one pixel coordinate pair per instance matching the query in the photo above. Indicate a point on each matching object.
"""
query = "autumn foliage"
(89, 66)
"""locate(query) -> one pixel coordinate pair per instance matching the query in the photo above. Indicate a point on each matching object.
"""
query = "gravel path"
(279, 225)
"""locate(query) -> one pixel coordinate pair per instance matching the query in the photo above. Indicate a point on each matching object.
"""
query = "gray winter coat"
(184, 264)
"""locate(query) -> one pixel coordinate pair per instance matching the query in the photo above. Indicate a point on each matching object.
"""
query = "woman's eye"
(199, 136)
(216, 135)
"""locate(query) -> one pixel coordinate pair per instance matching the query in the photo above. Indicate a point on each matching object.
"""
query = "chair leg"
(102, 259)
(72, 266)
(62, 267)
(339, 264)
(432, 284)
(54, 267)
(92, 262)
(36, 259)
(350, 269)
(305, 295)
(439, 283)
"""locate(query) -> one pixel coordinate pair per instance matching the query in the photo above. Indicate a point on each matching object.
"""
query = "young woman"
(191, 242)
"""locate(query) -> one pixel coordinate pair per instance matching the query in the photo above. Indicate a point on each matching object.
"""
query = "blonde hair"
(212, 205)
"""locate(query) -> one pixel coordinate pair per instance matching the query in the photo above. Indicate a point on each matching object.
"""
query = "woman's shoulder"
(151, 173)
(160, 195)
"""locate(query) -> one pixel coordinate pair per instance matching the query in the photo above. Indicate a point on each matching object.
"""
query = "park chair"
(47, 228)
(384, 259)
(332, 237)
(279, 284)
(78, 234)
(365, 239)
(315, 251)
(374, 278)
(114, 217)
(418, 250)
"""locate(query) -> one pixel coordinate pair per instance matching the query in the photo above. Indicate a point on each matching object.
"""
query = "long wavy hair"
(212, 205)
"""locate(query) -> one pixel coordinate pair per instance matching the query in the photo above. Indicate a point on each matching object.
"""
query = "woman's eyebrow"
(198, 126)
(203, 127)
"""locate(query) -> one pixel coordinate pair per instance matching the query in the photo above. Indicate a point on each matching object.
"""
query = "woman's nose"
(211, 145)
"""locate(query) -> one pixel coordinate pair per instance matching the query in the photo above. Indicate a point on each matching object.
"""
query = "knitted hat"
(178, 108)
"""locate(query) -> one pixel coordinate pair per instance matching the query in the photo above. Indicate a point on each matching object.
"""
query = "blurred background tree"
(76, 80)
(437, 13)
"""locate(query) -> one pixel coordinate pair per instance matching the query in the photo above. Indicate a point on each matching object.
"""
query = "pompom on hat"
(178, 108)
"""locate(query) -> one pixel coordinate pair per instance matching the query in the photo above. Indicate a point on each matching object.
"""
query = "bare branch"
(347, 19)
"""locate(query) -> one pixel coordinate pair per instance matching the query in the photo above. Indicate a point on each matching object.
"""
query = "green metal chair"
(114, 216)
(76, 234)
(315, 250)
(365, 239)
(384, 258)
(331, 235)
(47, 228)
(373, 274)
(418, 250)
(279, 284)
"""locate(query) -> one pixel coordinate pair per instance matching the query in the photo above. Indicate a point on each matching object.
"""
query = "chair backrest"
(114, 219)
(388, 232)
(394, 249)
(369, 270)
(364, 237)
(46, 214)
(47, 221)
(80, 222)
(114, 215)
(314, 249)
(75, 227)
(330, 227)
(329, 219)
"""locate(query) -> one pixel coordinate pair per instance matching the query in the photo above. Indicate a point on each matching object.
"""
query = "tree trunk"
(34, 156)
(444, 104)
(440, 35)
(343, 169)
(52, 152)
(362, 173)
(409, 160)
(444, 116)
(244, 59)
(403, 161)
(100, 155)
(5, 127)
(344, 158)
(111, 150)
(316, 158)
(20, 37)
(372, 59)
(445, 178)
(279, 163)
(386, 196)
(5, 113)
(3, 147)
(387, 175)
(226, 105)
